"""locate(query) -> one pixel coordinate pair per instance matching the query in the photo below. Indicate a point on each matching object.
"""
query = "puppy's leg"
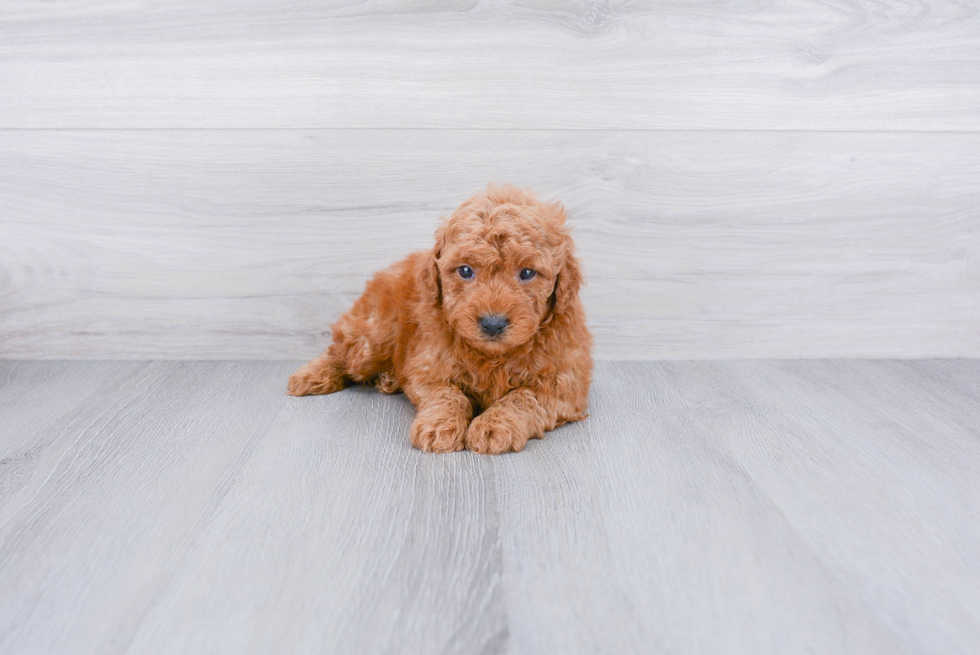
(364, 342)
(517, 416)
(443, 412)
(356, 354)
(353, 356)
(508, 423)
(323, 374)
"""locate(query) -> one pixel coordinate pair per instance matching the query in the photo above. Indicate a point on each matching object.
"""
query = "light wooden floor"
(742, 507)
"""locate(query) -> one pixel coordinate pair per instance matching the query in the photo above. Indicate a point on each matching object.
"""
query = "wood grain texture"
(249, 244)
(803, 64)
(708, 507)
(924, 456)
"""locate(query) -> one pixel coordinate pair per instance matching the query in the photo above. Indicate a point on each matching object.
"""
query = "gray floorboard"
(826, 506)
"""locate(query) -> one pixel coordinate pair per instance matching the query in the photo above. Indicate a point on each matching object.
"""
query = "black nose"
(493, 324)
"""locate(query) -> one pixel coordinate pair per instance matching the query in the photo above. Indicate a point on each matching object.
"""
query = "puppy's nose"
(493, 324)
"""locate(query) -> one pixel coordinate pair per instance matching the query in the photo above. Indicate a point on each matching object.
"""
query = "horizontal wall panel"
(248, 244)
(800, 64)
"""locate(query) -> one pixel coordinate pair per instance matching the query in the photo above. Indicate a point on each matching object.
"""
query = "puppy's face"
(498, 263)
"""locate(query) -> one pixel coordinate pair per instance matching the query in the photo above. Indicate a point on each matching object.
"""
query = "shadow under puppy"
(487, 324)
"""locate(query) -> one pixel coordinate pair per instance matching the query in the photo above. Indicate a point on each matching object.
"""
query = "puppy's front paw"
(491, 433)
(438, 434)
(314, 379)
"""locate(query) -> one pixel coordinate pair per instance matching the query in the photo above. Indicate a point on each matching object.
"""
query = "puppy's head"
(502, 267)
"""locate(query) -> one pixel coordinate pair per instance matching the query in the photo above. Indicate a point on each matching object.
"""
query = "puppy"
(487, 324)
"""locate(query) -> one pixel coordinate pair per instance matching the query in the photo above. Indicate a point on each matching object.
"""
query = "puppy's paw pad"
(309, 380)
(386, 382)
(489, 437)
(432, 435)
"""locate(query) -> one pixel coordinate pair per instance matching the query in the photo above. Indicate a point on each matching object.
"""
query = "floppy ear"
(427, 268)
(427, 279)
(568, 282)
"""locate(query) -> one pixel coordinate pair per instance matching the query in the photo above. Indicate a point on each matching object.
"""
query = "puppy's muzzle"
(493, 325)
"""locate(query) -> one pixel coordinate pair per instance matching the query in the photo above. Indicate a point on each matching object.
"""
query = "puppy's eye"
(465, 272)
(527, 274)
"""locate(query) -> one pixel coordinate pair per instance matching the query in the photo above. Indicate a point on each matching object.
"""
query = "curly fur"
(416, 328)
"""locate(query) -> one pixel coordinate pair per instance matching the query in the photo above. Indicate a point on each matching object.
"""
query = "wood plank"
(819, 507)
(876, 467)
(248, 244)
(63, 388)
(692, 555)
(353, 542)
(39, 414)
(116, 494)
(802, 64)
(201, 496)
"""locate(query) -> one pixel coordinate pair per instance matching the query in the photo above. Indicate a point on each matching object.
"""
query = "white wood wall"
(217, 180)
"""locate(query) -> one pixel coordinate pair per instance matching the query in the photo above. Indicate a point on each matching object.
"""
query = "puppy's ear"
(427, 279)
(557, 213)
(568, 283)
(427, 268)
